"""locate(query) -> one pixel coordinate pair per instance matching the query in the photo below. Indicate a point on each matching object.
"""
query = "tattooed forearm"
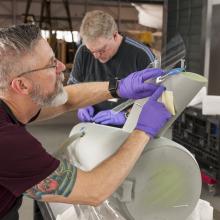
(60, 182)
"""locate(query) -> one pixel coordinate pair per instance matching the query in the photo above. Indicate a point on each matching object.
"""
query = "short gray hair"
(97, 24)
(15, 42)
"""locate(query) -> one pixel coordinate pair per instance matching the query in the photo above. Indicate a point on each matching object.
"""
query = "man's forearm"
(79, 95)
(95, 186)
(115, 169)
(84, 94)
(102, 181)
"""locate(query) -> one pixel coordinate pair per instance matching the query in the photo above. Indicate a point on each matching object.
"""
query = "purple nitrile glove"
(107, 117)
(154, 115)
(134, 87)
(85, 114)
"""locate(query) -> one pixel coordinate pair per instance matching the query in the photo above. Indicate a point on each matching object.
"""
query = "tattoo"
(60, 182)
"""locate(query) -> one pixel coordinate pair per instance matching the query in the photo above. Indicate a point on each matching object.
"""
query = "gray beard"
(58, 97)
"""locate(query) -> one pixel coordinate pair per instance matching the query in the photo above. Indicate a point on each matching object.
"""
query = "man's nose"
(60, 67)
(96, 55)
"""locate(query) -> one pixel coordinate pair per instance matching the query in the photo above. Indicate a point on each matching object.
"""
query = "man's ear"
(21, 85)
(115, 35)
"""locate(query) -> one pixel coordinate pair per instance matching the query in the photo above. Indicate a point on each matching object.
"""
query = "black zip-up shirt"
(131, 56)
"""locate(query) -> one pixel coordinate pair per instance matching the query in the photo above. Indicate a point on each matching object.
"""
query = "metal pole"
(14, 11)
(119, 14)
(27, 10)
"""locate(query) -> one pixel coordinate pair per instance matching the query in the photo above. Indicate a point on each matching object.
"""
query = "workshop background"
(154, 23)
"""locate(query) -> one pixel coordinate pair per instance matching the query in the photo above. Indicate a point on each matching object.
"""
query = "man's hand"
(134, 87)
(85, 114)
(154, 115)
(107, 117)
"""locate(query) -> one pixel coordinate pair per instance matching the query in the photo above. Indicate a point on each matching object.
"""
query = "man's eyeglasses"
(54, 65)
(106, 47)
(100, 51)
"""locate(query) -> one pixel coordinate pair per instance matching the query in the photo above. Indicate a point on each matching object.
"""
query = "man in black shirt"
(104, 55)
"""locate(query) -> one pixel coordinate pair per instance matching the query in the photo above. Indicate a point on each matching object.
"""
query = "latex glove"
(107, 117)
(85, 114)
(134, 87)
(154, 115)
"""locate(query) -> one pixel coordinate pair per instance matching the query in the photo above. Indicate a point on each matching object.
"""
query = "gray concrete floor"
(53, 133)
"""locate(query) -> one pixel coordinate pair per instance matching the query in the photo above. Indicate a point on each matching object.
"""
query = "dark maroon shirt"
(23, 160)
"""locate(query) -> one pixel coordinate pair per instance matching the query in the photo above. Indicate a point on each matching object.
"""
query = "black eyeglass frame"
(38, 69)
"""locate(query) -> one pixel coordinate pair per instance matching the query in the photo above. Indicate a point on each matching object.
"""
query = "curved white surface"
(98, 143)
(184, 87)
(166, 182)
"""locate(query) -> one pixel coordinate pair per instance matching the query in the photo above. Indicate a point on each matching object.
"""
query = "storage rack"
(200, 135)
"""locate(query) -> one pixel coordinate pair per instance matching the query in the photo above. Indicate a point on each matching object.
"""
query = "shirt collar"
(12, 116)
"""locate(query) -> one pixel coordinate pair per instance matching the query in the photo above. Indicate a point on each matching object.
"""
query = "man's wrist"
(113, 87)
(141, 134)
(146, 131)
